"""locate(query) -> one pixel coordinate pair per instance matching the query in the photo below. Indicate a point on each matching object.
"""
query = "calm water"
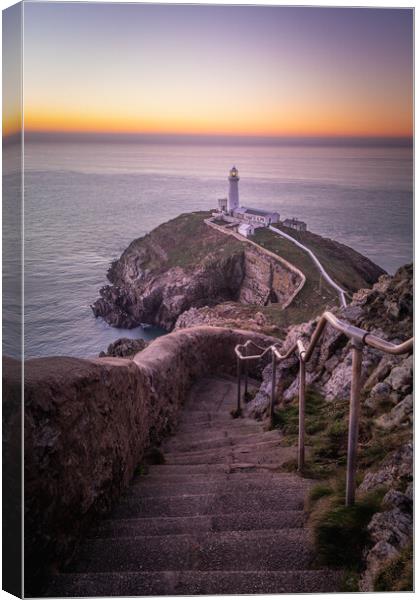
(84, 203)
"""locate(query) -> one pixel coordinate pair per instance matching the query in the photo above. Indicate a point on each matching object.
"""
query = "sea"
(84, 202)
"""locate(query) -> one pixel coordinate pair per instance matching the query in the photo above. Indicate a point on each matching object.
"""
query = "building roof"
(245, 227)
(259, 212)
(294, 221)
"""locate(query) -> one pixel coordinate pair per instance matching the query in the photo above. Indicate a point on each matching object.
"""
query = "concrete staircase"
(218, 517)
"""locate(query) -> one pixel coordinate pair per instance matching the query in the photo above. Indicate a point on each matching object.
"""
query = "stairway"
(218, 517)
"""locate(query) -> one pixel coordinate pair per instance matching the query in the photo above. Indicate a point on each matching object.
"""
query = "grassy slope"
(358, 271)
(186, 241)
(316, 294)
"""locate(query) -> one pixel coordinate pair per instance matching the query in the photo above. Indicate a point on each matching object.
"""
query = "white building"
(246, 229)
(233, 195)
(295, 224)
(231, 210)
(256, 216)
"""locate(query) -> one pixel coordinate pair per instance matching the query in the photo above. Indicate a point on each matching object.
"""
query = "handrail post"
(238, 364)
(302, 390)
(357, 352)
(246, 375)
(273, 388)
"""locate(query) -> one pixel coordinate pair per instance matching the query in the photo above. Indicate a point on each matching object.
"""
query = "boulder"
(124, 347)
(397, 466)
(401, 414)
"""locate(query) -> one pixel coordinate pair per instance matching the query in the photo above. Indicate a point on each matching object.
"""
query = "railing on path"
(359, 339)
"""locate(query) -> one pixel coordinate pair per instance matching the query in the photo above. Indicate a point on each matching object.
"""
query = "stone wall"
(265, 271)
(266, 280)
(88, 424)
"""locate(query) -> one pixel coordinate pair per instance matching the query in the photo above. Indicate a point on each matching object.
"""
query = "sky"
(218, 70)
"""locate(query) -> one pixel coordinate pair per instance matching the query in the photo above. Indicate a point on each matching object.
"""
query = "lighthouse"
(233, 196)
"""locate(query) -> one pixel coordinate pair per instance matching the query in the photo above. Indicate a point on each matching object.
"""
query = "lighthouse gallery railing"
(359, 338)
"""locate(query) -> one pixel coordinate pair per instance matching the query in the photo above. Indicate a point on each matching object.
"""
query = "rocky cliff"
(386, 449)
(185, 265)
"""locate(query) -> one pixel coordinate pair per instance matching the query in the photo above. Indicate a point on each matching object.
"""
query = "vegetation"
(340, 532)
(397, 574)
(177, 235)
(316, 295)
(325, 433)
(333, 256)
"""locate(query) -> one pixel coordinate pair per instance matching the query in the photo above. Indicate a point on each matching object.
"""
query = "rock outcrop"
(186, 264)
(228, 314)
(385, 377)
(391, 530)
(124, 348)
(160, 276)
(387, 386)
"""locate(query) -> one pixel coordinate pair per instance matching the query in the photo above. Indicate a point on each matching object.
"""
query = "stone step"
(167, 474)
(207, 430)
(176, 445)
(246, 521)
(259, 443)
(246, 550)
(237, 431)
(212, 417)
(195, 583)
(171, 583)
(221, 404)
(270, 453)
(210, 469)
(218, 517)
(156, 487)
(207, 504)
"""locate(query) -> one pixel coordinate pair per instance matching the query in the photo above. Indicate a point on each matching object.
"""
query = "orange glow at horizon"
(12, 124)
(344, 123)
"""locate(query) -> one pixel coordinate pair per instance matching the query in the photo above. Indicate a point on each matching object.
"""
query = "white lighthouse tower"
(233, 196)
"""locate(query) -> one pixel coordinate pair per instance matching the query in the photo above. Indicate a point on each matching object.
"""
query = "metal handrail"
(359, 338)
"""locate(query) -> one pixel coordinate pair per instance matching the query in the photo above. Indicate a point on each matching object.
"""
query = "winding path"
(321, 269)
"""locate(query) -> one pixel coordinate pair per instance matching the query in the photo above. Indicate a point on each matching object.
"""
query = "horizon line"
(136, 137)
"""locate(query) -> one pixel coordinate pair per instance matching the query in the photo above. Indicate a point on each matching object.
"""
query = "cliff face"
(188, 270)
(184, 264)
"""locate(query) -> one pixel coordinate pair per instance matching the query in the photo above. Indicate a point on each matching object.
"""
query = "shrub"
(341, 531)
(319, 491)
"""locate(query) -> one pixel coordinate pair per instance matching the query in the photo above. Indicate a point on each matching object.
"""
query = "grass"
(165, 247)
(174, 237)
(340, 532)
(397, 574)
(325, 433)
(320, 490)
(358, 272)
(141, 470)
(316, 295)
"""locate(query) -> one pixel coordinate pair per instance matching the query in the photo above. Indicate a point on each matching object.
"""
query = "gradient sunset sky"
(266, 71)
